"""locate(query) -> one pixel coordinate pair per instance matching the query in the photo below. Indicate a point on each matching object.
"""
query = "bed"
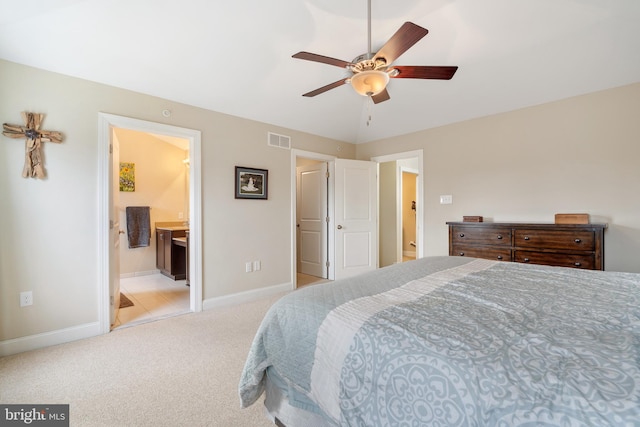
(452, 341)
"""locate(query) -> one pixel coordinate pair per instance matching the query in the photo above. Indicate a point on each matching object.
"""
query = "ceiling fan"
(370, 73)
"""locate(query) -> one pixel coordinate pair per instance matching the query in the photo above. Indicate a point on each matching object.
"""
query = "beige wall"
(50, 226)
(161, 183)
(576, 155)
(387, 216)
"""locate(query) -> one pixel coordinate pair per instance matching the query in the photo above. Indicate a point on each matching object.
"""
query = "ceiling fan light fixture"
(370, 82)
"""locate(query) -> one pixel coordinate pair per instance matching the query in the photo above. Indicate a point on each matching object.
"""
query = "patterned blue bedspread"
(450, 341)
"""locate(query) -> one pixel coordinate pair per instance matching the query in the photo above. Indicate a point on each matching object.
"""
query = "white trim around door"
(106, 123)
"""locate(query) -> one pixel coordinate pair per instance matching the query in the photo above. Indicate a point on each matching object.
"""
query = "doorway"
(414, 158)
(109, 218)
(157, 178)
(408, 211)
(311, 208)
(400, 215)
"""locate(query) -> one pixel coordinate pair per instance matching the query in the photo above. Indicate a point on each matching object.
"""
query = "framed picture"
(251, 183)
(127, 177)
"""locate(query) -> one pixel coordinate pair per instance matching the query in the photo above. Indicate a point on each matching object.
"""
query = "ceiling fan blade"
(320, 58)
(323, 89)
(381, 97)
(408, 35)
(424, 72)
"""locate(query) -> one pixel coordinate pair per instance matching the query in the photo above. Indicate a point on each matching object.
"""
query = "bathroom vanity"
(172, 250)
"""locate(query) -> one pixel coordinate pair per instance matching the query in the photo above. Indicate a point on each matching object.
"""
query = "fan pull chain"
(369, 105)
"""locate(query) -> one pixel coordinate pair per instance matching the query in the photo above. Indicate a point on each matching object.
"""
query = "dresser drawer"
(496, 254)
(555, 259)
(481, 235)
(555, 239)
(565, 245)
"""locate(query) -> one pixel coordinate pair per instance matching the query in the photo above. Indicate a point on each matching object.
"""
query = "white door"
(114, 228)
(417, 213)
(311, 219)
(355, 217)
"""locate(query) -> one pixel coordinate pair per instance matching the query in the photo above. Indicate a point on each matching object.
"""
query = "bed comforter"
(451, 341)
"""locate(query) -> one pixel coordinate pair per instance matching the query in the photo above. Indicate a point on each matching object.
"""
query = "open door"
(355, 217)
(311, 217)
(114, 228)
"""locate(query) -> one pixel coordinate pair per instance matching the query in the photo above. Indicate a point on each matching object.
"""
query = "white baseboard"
(88, 330)
(46, 339)
(247, 296)
(139, 273)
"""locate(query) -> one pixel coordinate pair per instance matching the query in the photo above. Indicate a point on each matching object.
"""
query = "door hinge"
(110, 148)
(328, 220)
(327, 264)
(111, 300)
(327, 174)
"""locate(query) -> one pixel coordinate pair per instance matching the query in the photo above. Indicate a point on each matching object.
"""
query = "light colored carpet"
(179, 371)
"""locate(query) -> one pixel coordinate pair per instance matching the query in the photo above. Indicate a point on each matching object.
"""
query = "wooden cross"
(33, 166)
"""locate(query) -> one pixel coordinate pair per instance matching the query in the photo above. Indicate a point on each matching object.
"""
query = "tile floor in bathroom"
(154, 296)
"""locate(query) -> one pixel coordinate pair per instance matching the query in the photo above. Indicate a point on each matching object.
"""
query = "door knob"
(339, 227)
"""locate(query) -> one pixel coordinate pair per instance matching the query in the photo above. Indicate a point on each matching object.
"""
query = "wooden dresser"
(563, 245)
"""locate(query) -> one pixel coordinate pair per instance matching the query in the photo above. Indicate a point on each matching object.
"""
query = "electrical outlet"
(248, 267)
(26, 298)
(257, 265)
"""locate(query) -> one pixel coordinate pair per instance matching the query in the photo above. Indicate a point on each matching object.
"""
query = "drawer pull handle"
(526, 260)
(526, 238)
(500, 257)
(461, 254)
(577, 264)
(499, 236)
(461, 234)
(578, 241)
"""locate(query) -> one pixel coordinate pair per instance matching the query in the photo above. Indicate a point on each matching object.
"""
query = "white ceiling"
(234, 57)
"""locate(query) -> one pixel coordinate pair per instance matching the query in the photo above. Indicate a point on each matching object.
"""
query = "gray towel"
(138, 226)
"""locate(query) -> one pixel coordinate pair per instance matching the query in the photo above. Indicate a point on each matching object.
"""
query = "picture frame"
(127, 177)
(251, 183)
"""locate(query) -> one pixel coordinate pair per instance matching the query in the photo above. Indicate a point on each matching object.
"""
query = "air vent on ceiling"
(280, 141)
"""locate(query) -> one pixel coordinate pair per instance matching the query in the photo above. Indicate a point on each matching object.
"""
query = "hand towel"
(138, 226)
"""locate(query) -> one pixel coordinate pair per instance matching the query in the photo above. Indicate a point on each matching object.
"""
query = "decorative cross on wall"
(33, 166)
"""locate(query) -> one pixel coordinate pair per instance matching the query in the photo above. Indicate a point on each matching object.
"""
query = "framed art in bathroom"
(127, 177)
(251, 183)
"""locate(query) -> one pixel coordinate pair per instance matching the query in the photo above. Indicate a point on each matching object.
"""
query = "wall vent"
(280, 141)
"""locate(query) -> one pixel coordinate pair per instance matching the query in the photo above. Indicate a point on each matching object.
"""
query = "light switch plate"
(446, 200)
